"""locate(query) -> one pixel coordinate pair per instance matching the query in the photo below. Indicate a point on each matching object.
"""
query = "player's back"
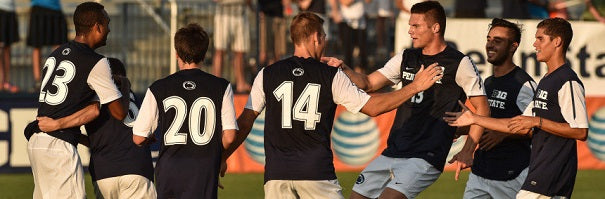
(65, 87)
(112, 151)
(299, 117)
(189, 104)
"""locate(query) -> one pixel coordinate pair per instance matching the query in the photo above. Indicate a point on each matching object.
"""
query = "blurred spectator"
(381, 11)
(272, 25)
(538, 9)
(558, 8)
(595, 10)
(8, 34)
(402, 38)
(470, 8)
(231, 26)
(352, 33)
(319, 8)
(515, 9)
(47, 27)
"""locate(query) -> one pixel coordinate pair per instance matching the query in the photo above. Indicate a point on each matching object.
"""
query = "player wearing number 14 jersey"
(195, 116)
(299, 95)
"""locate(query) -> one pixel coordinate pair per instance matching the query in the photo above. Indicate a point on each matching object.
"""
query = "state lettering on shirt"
(541, 95)
(494, 100)
(496, 104)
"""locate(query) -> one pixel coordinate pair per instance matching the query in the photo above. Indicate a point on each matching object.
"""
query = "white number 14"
(305, 108)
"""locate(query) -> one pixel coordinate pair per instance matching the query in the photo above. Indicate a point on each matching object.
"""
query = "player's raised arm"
(368, 83)
(384, 102)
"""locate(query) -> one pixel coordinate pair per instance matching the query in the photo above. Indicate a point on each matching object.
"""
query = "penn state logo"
(66, 51)
(360, 179)
(189, 85)
(298, 72)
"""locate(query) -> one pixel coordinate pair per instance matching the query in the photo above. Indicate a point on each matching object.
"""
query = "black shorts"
(47, 27)
(9, 30)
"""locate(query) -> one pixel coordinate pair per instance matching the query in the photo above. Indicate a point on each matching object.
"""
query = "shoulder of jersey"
(522, 75)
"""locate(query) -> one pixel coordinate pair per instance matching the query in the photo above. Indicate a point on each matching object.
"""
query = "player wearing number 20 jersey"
(193, 111)
(190, 107)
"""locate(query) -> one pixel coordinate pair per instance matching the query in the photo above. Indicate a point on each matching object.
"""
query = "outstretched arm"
(467, 117)
(519, 123)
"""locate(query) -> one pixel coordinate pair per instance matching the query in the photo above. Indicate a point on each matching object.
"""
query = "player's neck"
(504, 68)
(85, 40)
(434, 48)
(302, 51)
(555, 62)
(188, 66)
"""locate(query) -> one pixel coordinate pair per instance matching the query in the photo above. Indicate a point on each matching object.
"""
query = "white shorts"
(409, 176)
(231, 26)
(126, 186)
(56, 166)
(294, 189)
(478, 187)
(523, 194)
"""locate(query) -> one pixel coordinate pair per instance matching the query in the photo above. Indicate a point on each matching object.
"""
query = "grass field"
(589, 185)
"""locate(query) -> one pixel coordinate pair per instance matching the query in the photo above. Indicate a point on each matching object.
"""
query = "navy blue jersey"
(111, 148)
(554, 160)
(508, 96)
(68, 72)
(418, 130)
(299, 117)
(189, 120)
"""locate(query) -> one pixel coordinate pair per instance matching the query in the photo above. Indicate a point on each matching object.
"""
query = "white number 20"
(199, 137)
(305, 108)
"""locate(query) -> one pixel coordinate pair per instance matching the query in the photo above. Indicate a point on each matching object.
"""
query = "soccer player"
(500, 164)
(420, 140)
(555, 119)
(74, 74)
(299, 95)
(119, 168)
(196, 119)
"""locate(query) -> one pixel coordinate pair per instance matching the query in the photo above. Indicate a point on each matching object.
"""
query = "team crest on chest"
(189, 85)
(298, 72)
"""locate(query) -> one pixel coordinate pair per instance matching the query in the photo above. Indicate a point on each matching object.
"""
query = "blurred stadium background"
(140, 37)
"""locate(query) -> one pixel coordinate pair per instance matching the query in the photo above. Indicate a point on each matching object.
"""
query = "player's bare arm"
(368, 83)
(244, 121)
(384, 102)
(116, 108)
(466, 117)
(520, 123)
(464, 158)
(79, 118)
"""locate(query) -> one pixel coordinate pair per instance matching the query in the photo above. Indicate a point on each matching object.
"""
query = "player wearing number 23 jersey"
(193, 111)
(73, 74)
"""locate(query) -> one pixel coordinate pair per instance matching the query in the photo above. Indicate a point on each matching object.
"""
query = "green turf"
(589, 185)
